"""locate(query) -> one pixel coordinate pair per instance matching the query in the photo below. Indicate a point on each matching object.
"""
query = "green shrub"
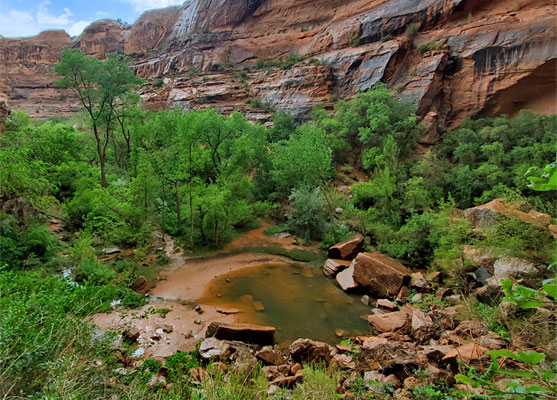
(386, 38)
(356, 41)
(432, 45)
(157, 83)
(307, 216)
(412, 29)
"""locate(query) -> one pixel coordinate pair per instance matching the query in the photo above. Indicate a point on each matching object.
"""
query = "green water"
(298, 301)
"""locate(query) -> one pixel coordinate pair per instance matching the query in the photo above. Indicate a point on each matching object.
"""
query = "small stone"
(454, 298)
(111, 250)
(366, 300)
(417, 298)
(197, 322)
(131, 334)
(339, 332)
(386, 304)
(295, 368)
(482, 275)
(258, 306)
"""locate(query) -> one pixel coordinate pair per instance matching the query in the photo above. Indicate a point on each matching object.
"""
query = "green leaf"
(503, 353)
(549, 375)
(523, 374)
(551, 289)
(466, 380)
(531, 357)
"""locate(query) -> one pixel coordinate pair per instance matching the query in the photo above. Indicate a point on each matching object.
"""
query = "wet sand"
(154, 338)
(187, 283)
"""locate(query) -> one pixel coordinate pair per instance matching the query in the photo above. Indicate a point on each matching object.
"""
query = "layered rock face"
(468, 58)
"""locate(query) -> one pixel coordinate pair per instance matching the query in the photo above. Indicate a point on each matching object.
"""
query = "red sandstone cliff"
(487, 58)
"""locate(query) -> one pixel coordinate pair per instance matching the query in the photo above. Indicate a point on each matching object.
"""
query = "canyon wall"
(469, 58)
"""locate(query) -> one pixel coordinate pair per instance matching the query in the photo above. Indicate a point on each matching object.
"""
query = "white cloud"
(101, 13)
(143, 5)
(77, 27)
(45, 18)
(17, 23)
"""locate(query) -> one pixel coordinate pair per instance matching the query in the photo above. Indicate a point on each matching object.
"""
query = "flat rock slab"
(249, 333)
(390, 322)
(345, 279)
(348, 249)
(332, 267)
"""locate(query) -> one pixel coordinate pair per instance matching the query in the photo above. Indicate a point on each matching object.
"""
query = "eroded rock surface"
(487, 58)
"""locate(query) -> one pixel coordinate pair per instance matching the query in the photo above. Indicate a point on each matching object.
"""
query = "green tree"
(303, 160)
(99, 85)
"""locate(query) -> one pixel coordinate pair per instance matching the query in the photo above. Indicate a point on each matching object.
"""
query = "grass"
(318, 384)
(275, 229)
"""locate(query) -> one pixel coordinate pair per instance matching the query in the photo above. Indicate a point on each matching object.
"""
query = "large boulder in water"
(345, 279)
(380, 274)
(249, 333)
(348, 249)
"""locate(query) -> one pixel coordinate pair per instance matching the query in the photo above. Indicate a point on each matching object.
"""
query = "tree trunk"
(100, 152)
(178, 212)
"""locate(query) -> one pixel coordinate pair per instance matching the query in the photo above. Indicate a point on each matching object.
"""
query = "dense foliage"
(202, 177)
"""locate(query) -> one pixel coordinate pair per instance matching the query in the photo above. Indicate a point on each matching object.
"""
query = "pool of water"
(299, 301)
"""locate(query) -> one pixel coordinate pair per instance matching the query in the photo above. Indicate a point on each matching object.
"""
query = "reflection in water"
(299, 301)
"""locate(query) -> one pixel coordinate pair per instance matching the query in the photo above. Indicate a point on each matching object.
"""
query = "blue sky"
(29, 17)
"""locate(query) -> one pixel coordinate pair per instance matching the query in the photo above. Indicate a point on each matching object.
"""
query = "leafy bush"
(307, 217)
(412, 29)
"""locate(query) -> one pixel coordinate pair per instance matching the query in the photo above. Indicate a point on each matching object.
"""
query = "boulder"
(487, 214)
(380, 274)
(140, 285)
(507, 267)
(348, 249)
(111, 250)
(345, 279)
(270, 356)
(467, 353)
(436, 352)
(418, 281)
(490, 292)
(212, 348)
(390, 322)
(333, 267)
(422, 326)
(307, 351)
(492, 341)
(391, 353)
(249, 333)
(344, 361)
(372, 342)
